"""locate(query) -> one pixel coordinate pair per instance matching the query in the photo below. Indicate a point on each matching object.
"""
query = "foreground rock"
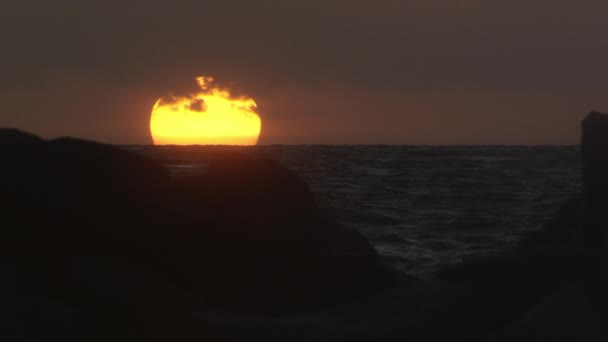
(595, 221)
(577, 307)
(595, 160)
(552, 287)
(104, 244)
(563, 231)
(116, 246)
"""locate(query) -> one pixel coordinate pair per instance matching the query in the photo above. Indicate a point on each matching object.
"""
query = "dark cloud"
(167, 100)
(322, 49)
(198, 105)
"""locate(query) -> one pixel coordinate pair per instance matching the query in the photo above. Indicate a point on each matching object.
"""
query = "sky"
(321, 71)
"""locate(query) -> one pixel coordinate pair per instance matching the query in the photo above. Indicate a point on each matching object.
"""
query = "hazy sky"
(321, 71)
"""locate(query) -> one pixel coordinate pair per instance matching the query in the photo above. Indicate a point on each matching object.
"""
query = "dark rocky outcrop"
(277, 248)
(499, 289)
(595, 220)
(595, 162)
(119, 248)
(564, 230)
(556, 271)
(583, 223)
(104, 244)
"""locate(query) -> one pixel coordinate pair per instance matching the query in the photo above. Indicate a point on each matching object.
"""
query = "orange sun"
(210, 117)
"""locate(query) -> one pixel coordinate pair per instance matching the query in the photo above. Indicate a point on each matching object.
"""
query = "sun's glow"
(211, 116)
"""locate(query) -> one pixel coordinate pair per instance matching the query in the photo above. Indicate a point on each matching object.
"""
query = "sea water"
(423, 206)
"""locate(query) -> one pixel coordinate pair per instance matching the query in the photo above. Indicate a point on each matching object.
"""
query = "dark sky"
(322, 71)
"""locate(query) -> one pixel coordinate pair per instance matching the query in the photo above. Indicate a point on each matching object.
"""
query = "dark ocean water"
(423, 206)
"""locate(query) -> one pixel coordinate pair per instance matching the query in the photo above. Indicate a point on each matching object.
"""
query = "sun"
(211, 116)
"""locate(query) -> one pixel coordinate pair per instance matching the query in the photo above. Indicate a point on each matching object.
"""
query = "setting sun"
(209, 117)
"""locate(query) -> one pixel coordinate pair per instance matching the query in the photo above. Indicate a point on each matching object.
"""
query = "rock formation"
(595, 162)
(115, 244)
(595, 223)
(103, 244)
(563, 231)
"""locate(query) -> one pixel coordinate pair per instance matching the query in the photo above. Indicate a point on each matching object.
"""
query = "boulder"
(595, 162)
(555, 271)
(80, 246)
(595, 222)
(121, 245)
(564, 230)
(266, 236)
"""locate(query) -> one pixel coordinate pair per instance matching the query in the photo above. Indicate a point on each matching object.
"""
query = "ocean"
(422, 206)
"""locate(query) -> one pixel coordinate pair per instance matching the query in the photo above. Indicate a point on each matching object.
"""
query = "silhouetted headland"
(105, 244)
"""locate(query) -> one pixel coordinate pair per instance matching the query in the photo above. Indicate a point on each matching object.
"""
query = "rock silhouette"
(110, 238)
(577, 306)
(553, 272)
(595, 162)
(103, 243)
(595, 222)
(564, 230)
